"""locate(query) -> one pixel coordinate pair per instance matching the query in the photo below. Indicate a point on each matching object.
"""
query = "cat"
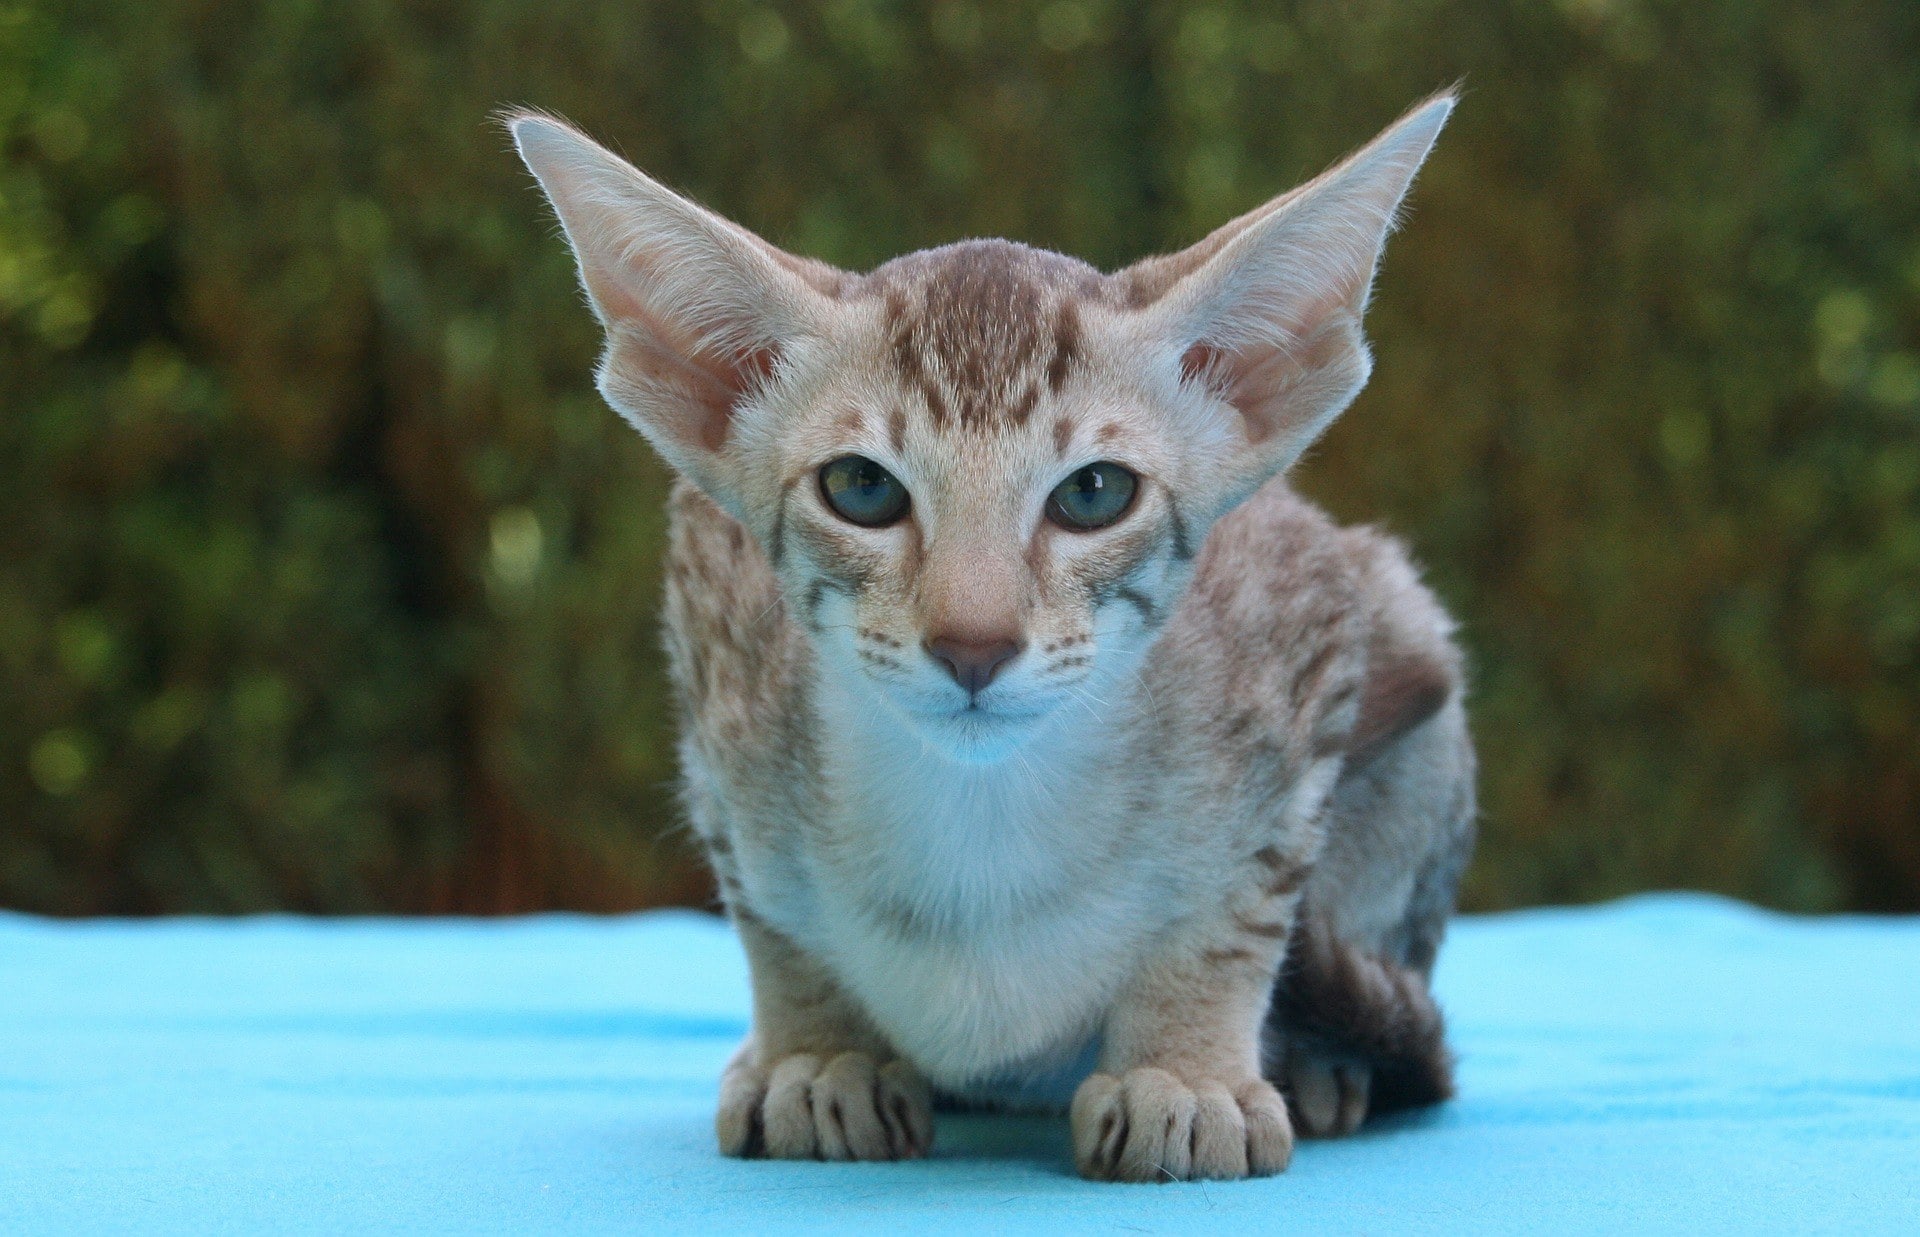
(1048, 749)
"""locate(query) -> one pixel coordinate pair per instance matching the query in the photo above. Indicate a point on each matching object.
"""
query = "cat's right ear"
(698, 311)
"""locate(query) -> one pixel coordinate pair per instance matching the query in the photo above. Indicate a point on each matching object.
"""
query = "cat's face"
(981, 472)
(981, 495)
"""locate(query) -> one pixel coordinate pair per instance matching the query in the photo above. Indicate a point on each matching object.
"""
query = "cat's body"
(983, 928)
(1006, 781)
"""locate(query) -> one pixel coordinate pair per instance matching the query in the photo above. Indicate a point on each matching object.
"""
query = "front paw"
(809, 1107)
(1148, 1125)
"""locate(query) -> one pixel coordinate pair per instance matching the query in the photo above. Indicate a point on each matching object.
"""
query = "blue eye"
(1093, 497)
(862, 492)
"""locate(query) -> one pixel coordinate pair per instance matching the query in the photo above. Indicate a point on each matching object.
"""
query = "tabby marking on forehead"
(982, 328)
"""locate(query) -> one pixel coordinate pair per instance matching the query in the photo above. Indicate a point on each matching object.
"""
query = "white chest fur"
(983, 914)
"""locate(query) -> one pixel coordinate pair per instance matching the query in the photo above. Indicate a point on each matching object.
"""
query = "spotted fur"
(1081, 877)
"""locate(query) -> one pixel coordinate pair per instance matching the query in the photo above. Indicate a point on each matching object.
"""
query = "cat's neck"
(984, 835)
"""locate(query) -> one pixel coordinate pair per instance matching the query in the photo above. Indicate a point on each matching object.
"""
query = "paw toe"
(787, 1117)
(1159, 1144)
(846, 1112)
(1315, 1095)
(1329, 1098)
(906, 1110)
(1356, 1084)
(1098, 1122)
(1269, 1133)
(743, 1090)
(1219, 1134)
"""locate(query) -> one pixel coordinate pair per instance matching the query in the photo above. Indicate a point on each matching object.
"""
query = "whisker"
(771, 607)
(1084, 696)
(1141, 679)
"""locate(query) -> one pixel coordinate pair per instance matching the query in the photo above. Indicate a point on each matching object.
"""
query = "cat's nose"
(973, 662)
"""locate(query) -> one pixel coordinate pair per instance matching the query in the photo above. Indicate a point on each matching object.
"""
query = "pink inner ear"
(756, 365)
(1277, 387)
(1253, 384)
(732, 378)
(1202, 362)
(707, 386)
(651, 350)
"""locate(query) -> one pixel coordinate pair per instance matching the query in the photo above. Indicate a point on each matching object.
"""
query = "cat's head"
(981, 472)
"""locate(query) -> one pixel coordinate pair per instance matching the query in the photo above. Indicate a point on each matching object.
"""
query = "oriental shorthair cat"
(1049, 750)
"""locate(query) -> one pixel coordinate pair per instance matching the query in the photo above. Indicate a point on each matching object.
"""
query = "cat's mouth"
(974, 713)
(978, 730)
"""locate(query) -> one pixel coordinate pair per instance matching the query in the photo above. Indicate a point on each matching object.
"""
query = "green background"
(327, 583)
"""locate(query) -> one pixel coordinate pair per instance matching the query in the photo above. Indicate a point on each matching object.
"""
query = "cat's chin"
(976, 735)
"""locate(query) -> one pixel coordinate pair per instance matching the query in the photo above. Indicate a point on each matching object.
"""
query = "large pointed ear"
(1266, 311)
(698, 311)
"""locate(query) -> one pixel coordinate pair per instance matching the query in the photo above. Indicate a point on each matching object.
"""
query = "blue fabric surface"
(1672, 1063)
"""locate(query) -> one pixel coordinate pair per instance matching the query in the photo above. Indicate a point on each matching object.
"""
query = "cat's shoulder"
(1278, 560)
(1281, 554)
(1304, 614)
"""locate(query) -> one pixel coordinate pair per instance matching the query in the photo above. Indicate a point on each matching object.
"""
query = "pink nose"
(973, 663)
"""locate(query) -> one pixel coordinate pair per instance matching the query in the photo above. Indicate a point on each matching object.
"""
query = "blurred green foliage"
(327, 583)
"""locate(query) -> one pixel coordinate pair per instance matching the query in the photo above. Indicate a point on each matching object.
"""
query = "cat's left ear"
(698, 311)
(1266, 311)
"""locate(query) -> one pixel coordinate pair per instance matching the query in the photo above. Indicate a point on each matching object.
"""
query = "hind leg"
(1327, 1094)
(1352, 1019)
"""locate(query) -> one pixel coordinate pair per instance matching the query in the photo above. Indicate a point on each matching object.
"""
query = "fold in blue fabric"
(1674, 1063)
